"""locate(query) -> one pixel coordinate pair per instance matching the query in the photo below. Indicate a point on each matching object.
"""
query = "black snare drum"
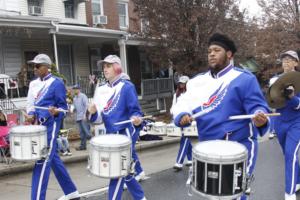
(219, 169)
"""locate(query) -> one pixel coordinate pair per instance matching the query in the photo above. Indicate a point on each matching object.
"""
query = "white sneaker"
(271, 135)
(189, 163)
(177, 167)
(141, 176)
(65, 153)
(297, 187)
(290, 196)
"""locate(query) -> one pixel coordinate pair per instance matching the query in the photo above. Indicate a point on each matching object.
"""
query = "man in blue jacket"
(287, 128)
(224, 91)
(49, 93)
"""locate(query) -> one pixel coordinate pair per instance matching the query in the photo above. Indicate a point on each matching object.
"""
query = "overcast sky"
(252, 7)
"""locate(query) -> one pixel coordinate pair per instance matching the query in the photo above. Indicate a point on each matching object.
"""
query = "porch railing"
(157, 88)
(85, 86)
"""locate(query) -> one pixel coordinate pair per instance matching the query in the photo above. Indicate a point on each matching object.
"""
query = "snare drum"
(159, 128)
(28, 142)
(191, 131)
(110, 156)
(173, 130)
(219, 169)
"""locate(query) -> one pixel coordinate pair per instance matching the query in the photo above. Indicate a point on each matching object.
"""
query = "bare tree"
(179, 30)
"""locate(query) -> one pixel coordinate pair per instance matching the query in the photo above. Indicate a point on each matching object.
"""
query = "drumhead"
(28, 130)
(219, 150)
(110, 141)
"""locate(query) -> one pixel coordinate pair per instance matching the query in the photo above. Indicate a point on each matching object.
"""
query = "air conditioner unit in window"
(35, 10)
(99, 19)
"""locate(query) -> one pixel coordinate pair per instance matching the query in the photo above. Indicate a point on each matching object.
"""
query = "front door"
(65, 62)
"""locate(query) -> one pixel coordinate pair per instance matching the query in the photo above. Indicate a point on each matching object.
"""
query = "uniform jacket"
(232, 91)
(116, 102)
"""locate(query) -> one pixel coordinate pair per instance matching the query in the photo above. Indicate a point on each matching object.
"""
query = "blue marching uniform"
(232, 91)
(138, 167)
(51, 92)
(117, 102)
(287, 127)
(185, 150)
(185, 147)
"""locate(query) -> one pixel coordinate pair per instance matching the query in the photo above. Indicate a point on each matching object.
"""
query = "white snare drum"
(159, 128)
(219, 169)
(173, 130)
(191, 131)
(110, 156)
(28, 142)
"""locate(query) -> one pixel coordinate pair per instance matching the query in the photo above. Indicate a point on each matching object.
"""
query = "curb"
(26, 166)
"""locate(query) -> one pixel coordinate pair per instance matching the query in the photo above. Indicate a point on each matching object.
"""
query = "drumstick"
(46, 108)
(130, 120)
(252, 115)
(201, 113)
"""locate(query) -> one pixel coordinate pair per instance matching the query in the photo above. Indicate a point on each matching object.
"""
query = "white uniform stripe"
(252, 148)
(293, 169)
(117, 188)
(183, 148)
(298, 107)
(45, 162)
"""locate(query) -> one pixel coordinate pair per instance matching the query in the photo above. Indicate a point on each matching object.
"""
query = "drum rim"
(110, 145)
(110, 176)
(111, 148)
(213, 197)
(220, 159)
(37, 133)
(40, 128)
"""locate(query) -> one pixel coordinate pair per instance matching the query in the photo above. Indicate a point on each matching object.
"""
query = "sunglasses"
(37, 66)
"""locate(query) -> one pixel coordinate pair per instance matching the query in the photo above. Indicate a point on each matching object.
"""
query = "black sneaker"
(80, 148)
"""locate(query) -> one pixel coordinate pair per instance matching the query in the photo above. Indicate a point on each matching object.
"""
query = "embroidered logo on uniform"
(111, 103)
(215, 99)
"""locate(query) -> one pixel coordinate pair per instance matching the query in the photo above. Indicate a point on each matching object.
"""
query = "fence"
(157, 88)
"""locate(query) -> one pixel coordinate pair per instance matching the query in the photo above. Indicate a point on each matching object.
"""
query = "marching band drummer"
(221, 92)
(117, 101)
(185, 147)
(49, 92)
(287, 127)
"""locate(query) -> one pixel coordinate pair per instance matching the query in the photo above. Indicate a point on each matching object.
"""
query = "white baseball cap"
(110, 59)
(290, 53)
(183, 79)
(41, 59)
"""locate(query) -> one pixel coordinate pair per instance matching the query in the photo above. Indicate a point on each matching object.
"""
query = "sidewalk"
(79, 156)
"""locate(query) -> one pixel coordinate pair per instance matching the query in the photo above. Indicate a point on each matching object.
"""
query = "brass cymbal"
(275, 97)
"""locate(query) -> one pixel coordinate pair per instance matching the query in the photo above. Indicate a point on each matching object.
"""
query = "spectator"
(80, 102)
(63, 146)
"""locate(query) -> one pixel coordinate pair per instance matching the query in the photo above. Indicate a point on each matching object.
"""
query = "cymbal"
(275, 96)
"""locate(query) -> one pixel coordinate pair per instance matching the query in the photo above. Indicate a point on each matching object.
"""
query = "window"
(123, 14)
(144, 25)
(69, 9)
(97, 7)
(34, 3)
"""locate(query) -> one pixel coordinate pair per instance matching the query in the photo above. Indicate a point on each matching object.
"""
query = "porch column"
(123, 54)
(55, 51)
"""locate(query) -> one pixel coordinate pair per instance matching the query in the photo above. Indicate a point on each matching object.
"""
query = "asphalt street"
(268, 183)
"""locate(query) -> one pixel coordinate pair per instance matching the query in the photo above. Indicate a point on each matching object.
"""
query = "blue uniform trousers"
(247, 137)
(116, 185)
(138, 168)
(289, 139)
(42, 167)
(185, 149)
